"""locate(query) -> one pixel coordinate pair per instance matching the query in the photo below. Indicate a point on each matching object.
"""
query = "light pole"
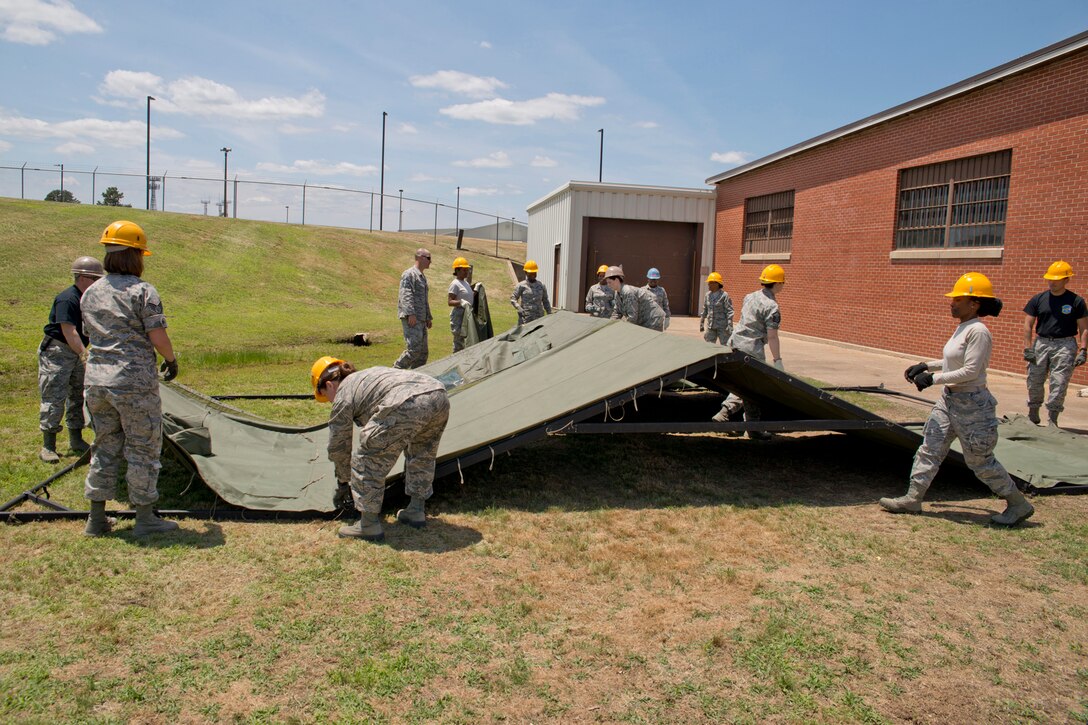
(457, 219)
(600, 165)
(147, 177)
(226, 150)
(287, 220)
(381, 188)
(400, 213)
(62, 182)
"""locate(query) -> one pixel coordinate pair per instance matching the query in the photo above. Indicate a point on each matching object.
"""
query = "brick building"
(875, 221)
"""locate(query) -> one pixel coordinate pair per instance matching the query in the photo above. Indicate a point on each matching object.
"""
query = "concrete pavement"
(843, 364)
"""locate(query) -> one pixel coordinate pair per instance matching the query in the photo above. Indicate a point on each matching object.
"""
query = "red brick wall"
(841, 283)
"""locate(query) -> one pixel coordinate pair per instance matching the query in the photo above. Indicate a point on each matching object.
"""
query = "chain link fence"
(276, 201)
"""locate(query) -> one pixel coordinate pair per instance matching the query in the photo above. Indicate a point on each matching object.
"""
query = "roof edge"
(621, 188)
(1018, 65)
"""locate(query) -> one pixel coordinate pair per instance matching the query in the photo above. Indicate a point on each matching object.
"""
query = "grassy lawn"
(681, 578)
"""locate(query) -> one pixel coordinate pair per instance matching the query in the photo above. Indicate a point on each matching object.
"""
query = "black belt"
(1056, 337)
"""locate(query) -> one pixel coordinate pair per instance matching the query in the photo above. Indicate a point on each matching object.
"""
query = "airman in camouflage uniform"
(123, 318)
(396, 411)
(716, 319)
(530, 296)
(61, 366)
(635, 304)
(653, 286)
(414, 310)
(600, 300)
(758, 327)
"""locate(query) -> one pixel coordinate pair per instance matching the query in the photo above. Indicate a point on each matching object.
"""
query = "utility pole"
(226, 150)
(287, 220)
(147, 174)
(457, 221)
(400, 213)
(381, 188)
(600, 165)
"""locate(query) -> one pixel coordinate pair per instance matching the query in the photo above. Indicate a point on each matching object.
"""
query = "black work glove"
(923, 380)
(913, 371)
(343, 499)
(1081, 358)
(1029, 354)
(169, 369)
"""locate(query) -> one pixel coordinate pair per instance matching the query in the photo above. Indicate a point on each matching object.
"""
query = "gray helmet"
(88, 266)
(614, 272)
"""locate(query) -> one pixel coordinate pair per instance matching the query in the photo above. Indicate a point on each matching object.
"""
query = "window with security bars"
(960, 203)
(768, 223)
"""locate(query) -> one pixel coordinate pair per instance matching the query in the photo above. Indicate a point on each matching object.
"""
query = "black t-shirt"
(1056, 315)
(66, 309)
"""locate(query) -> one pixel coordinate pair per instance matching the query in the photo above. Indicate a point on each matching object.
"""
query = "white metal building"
(584, 224)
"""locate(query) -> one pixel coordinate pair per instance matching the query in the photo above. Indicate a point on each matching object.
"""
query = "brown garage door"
(636, 245)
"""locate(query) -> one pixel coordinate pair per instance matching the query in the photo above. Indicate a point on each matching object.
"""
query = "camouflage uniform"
(463, 291)
(531, 300)
(122, 386)
(60, 371)
(636, 305)
(758, 314)
(1053, 360)
(412, 300)
(396, 411)
(600, 300)
(966, 411)
(662, 301)
(717, 317)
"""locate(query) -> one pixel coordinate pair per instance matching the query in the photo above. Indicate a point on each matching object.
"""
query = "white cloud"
(407, 128)
(730, 157)
(4, 146)
(543, 162)
(497, 160)
(454, 81)
(74, 147)
(478, 191)
(312, 166)
(37, 22)
(257, 199)
(344, 127)
(291, 129)
(558, 106)
(646, 124)
(111, 133)
(426, 178)
(196, 96)
(484, 44)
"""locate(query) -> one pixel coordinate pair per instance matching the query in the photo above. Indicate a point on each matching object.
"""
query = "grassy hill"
(641, 579)
(250, 304)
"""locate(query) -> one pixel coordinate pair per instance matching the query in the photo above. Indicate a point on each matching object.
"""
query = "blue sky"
(501, 99)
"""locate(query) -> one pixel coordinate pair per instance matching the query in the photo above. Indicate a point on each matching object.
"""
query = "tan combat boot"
(1018, 509)
(414, 515)
(48, 453)
(367, 528)
(908, 503)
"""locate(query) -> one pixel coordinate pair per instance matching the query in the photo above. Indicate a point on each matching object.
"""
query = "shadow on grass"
(580, 473)
(191, 535)
(437, 537)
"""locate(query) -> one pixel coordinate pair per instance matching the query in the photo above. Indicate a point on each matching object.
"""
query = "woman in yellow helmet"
(459, 298)
(716, 319)
(530, 297)
(600, 299)
(123, 319)
(965, 410)
(395, 411)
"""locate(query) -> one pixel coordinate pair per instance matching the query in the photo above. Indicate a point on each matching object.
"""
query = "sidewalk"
(842, 364)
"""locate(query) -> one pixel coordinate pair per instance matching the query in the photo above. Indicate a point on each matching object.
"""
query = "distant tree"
(65, 196)
(112, 197)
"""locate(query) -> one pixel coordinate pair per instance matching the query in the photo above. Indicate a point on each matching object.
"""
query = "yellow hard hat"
(126, 234)
(715, 277)
(772, 274)
(972, 284)
(461, 263)
(1059, 270)
(530, 266)
(319, 367)
(602, 269)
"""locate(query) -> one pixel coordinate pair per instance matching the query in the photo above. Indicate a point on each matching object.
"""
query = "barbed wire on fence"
(266, 206)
